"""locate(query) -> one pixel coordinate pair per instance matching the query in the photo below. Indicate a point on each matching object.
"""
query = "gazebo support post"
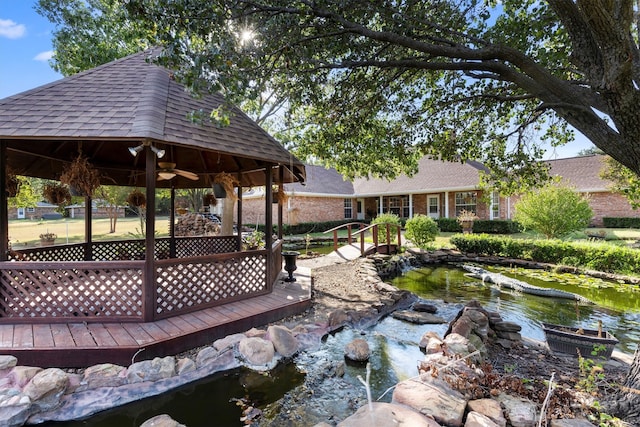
(88, 230)
(4, 211)
(239, 214)
(172, 224)
(149, 276)
(268, 218)
(280, 192)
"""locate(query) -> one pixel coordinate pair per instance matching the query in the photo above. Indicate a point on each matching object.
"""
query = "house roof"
(104, 111)
(320, 180)
(582, 172)
(433, 175)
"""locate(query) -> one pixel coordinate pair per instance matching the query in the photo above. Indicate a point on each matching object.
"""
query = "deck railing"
(34, 288)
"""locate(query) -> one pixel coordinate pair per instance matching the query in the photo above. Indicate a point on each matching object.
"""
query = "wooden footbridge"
(365, 239)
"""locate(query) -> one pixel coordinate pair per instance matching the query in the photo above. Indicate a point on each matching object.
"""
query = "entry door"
(360, 211)
(21, 214)
(433, 206)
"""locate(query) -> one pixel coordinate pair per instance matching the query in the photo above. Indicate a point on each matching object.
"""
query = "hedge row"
(496, 226)
(596, 256)
(305, 227)
(616, 222)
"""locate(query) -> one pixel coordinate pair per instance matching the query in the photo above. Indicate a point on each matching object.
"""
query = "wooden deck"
(85, 344)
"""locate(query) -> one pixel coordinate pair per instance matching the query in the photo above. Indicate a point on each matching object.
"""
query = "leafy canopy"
(370, 87)
(553, 210)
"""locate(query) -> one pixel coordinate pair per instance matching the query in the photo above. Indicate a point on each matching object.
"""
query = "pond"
(320, 386)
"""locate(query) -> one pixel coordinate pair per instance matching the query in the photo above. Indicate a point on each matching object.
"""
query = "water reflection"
(620, 315)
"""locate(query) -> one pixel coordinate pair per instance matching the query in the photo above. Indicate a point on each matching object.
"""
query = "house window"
(405, 207)
(31, 210)
(495, 205)
(348, 209)
(395, 204)
(466, 200)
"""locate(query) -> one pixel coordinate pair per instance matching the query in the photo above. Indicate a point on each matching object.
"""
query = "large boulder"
(7, 362)
(46, 388)
(418, 317)
(357, 350)
(433, 398)
(163, 420)
(228, 341)
(283, 340)
(489, 408)
(15, 407)
(103, 375)
(387, 414)
(521, 413)
(152, 370)
(257, 352)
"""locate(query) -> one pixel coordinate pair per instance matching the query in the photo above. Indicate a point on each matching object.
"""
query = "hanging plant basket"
(12, 183)
(57, 194)
(81, 176)
(136, 199)
(227, 182)
(219, 192)
(209, 199)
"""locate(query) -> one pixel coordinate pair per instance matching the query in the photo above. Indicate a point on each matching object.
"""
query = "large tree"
(376, 85)
(371, 86)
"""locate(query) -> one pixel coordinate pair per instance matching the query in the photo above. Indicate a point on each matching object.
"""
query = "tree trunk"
(625, 404)
(227, 216)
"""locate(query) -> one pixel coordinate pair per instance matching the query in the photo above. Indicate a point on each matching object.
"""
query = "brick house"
(439, 189)
(40, 210)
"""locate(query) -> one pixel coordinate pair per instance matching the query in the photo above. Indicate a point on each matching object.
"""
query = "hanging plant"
(228, 182)
(81, 176)
(12, 183)
(209, 199)
(57, 194)
(136, 199)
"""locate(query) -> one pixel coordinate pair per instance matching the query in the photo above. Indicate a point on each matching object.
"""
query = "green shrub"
(592, 255)
(495, 226)
(449, 225)
(421, 230)
(553, 211)
(387, 218)
(617, 222)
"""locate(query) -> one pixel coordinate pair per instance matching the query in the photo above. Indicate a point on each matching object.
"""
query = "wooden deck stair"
(85, 344)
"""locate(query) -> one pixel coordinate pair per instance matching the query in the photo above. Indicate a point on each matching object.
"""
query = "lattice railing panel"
(195, 285)
(206, 245)
(74, 252)
(115, 250)
(82, 293)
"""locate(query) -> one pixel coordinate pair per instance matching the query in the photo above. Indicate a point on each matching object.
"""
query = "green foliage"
(623, 181)
(553, 210)
(621, 222)
(91, 32)
(495, 226)
(421, 230)
(591, 255)
(27, 196)
(590, 371)
(307, 227)
(366, 93)
(383, 220)
(449, 225)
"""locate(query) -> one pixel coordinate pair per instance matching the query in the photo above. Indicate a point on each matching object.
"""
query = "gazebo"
(122, 116)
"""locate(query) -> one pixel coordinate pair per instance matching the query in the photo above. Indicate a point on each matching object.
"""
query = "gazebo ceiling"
(103, 112)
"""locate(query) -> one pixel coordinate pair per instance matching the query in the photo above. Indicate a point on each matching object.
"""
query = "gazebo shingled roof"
(104, 111)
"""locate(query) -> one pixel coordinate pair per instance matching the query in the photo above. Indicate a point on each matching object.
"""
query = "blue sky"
(25, 48)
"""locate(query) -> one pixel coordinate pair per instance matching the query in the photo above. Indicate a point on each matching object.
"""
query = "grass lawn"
(26, 233)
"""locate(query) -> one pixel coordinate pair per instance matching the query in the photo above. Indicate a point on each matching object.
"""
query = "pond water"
(308, 391)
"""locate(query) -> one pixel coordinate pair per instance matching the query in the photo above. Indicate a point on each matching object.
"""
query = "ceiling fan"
(167, 171)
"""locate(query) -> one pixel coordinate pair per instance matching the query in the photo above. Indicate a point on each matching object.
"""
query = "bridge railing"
(362, 229)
